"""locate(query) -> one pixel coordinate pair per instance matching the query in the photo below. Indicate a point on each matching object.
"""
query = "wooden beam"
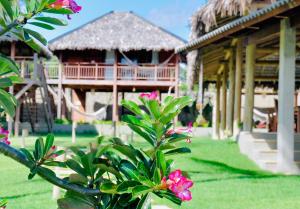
(249, 86)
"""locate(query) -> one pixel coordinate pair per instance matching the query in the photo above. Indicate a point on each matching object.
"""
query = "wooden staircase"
(37, 106)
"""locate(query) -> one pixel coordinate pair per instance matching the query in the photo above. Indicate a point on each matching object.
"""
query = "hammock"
(96, 115)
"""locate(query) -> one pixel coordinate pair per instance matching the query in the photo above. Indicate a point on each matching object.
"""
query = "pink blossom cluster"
(179, 185)
(188, 130)
(4, 133)
(150, 96)
(68, 4)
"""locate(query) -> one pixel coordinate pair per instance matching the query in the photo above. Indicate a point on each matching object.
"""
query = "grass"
(224, 179)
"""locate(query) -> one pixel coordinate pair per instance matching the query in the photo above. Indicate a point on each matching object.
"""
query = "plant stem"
(21, 158)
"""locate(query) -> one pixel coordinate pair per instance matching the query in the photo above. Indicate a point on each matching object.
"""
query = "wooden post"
(176, 87)
(223, 105)
(216, 110)
(238, 87)
(177, 77)
(115, 108)
(17, 118)
(35, 68)
(74, 126)
(59, 94)
(249, 87)
(200, 87)
(11, 88)
(230, 99)
(287, 68)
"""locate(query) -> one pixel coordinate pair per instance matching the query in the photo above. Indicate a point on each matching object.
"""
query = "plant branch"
(21, 158)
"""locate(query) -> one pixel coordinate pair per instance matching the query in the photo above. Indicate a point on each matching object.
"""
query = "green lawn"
(224, 179)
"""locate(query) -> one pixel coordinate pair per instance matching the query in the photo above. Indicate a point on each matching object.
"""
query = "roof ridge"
(81, 26)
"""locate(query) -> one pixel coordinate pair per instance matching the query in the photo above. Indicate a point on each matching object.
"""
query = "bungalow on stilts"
(118, 52)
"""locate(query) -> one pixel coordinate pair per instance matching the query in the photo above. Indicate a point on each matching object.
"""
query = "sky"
(173, 15)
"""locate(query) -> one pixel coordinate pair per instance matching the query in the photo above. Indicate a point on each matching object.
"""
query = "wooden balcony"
(104, 74)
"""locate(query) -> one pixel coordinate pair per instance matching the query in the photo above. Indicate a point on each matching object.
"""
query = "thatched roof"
(117, 30)
(215, 9)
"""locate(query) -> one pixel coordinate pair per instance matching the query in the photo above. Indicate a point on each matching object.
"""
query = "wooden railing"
(97, 71)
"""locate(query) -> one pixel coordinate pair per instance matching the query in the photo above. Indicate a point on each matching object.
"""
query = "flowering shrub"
(116, 175)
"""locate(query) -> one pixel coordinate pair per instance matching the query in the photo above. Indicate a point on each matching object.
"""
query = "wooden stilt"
(17, 119)
(59, 94)
(238, 87)
(230, 99)
(285, 131)
(200, 88)
(249, 87)
(223, 105)
(216, 121)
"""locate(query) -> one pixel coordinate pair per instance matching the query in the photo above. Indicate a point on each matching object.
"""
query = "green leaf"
(154, 108)
(129, 170)
(140, 132)
(7, 66)
(27, 154)
(49, 142)
(61, 11)
(109, 169)
(8, 8)
(144, 202)
(75, 166)
(108, 188)
(7, 102)
(87, 163)
(77, 151)
(52, 20)
(140, 190)
(161, 162)
(182, 150)
(157, 176)
(126, 186)
(36, 35)
(5, 83)
(38, 149)
(170, 196)
(137, 122)
(55, 164)
(127, 151)
(42, 25)
(133, 107)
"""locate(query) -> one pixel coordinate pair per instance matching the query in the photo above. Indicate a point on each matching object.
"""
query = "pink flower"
(181, 189)
(68, 4)
(4, 133)
(187, 130)
(178, 184)
(51, 153)
(152, 96)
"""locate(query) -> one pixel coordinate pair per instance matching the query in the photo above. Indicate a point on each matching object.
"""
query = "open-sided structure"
(258, 47)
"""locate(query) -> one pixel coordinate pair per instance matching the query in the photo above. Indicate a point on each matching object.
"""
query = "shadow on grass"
(234, 173)
(24, 195)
